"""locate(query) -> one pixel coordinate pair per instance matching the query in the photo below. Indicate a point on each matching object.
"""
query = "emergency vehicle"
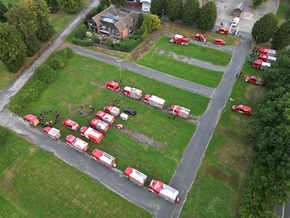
(164, 191)
(135, 176)
(91, 134)
(176, 110)
(77, 143)
(52, 132)
(104, 158)
(132, 92)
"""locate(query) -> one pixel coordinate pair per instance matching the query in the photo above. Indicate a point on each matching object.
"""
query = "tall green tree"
(40, 8)
(190, 12)
(264, 28)
(207, 16)
(157, 6)
(53, 5)
(174, 9)
(26, 23)
(3, 10)
(118, 2)
(150, 23)
(281, 38)
(12, 47)
(72, 6)
(257, 3)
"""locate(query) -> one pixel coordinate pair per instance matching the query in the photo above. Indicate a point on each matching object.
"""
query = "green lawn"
(195, 51)
(34, 183)
(60, 20)
(218, 187)
(83, 80)
(210, 36)
(169, 65)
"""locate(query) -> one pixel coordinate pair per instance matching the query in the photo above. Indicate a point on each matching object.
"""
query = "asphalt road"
(112, 179)
(283, 212)
(145, 71)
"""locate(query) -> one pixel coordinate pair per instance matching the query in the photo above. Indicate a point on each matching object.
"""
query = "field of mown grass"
(210, 36)
(83, 81)
(195, 51)
(218, 187)
(34, 183)
(171, 66)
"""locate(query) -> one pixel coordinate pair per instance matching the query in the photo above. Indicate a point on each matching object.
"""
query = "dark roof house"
(117, 23)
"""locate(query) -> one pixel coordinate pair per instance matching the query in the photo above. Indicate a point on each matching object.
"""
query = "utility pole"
(119, 61)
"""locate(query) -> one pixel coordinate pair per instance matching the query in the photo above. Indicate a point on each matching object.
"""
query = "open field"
(195, 51)
(169, 65)
(34, 183)
(217, 190)
(83, 81)
(60, 20)
(210, 36)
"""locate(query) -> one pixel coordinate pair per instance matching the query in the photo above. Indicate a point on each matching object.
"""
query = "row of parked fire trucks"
(150, 99)
(98, 126)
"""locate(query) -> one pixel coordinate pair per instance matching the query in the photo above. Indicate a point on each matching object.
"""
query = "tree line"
(270, 136)
(267, 29)
(189, 11)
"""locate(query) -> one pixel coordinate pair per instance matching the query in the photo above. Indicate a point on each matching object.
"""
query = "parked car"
(112, 85)
(243, 109)
(235, 21)
(219, 42)
(223, 30)
(130, 111)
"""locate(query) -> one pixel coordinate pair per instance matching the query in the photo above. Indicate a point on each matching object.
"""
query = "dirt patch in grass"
(142, 138)
(253, 93)
(219, 174)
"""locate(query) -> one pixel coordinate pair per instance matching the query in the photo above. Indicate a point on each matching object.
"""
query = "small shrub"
(30, 94)
(81, 32)
(109, 42)
(45, 74)
(96, 39)
(89, 34)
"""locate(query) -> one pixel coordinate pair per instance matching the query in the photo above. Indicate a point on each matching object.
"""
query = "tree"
(26, 23)
(118, 2)
(71, 6)
(190, 12)
(174, 9)
(281, 38)
(12, 47)
(257, 3)
(3, 10)
(207, 16)
(264, 28)
(150, 23)
(41, 10)
(278, 75)
(157, 6)
(53, 6)
(140, 20)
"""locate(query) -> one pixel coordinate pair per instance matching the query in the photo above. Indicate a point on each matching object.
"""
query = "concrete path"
(145, 71)
(188, 166)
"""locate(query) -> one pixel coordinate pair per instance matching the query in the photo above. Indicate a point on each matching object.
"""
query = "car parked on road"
(130, 111)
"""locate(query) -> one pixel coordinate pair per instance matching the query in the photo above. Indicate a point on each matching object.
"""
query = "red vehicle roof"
(70, 138)
(70, 124)
(128, 171)
(113, 85)
(97, 153)
(156, 185)
(31, 119)
(83, 129)
(47, 129)
(100, 114)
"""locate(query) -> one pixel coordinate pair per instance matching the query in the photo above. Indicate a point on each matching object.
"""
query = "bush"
(60, 58)
(96, 39)
(109, 42)
(30, 94)
(81, 32)
(4, 136)
(45, 74)
(85, 42)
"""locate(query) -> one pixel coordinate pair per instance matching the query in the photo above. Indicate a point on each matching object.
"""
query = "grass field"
(83, 80)
(171, 66)
(195, 51)
(218, 187)
(210, 36)
(60, 20)
(34, 183)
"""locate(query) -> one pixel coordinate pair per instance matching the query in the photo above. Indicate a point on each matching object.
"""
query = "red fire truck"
(132, 92)
(176, 110)
(164, 191)
(104, 158)
(91, 134)
(135, 176)
(77, 143)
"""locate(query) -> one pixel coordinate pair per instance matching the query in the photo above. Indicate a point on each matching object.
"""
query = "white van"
(235, 21)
